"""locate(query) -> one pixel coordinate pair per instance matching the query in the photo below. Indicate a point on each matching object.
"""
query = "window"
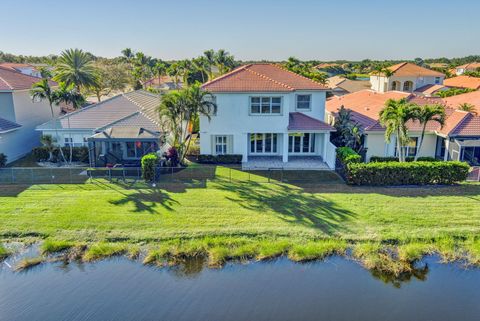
(68, 141)
(408, 86)
(437, 80)
(410, 149)
(303, 102)
(302, 143)
(265, 105)
(263, 143)
(220, 145)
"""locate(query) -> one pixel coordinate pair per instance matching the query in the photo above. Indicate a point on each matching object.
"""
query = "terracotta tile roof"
(327, 65)
(469, 126)
(429, 90)
(261, 78)
(456, 117)
(14, 66)
(407, 69)
(13, 80)
(6, 125)
(463, 82)
(471, 98)
(300, 121)
(469, 67)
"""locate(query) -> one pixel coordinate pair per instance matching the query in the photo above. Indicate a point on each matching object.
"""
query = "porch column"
(326, 138)
(285, 148)
(447, 152)
(246, 139)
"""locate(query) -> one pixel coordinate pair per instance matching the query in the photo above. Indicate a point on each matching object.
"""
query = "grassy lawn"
(225, 208)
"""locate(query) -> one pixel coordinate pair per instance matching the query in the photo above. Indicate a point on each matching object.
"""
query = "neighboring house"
(163, 83)
(473, 66)
(341, 86)
(118, 130)
(457, 140)
(430, 90)
(270, 116)
(19, 114)
(472, 98)
(463, 82)
(405, 77)
(26, 69)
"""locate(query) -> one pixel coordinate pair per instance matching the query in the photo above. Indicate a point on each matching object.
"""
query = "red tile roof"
(407, 69)
(470, 98)
(302, 122)
(463, 82)
(469, 126)
(470, 67)
(453, 121)
(429, 90)
(14, 66)
(261, 78)
(14, 80)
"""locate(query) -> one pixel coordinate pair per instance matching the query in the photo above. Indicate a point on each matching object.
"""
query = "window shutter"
(230, 144)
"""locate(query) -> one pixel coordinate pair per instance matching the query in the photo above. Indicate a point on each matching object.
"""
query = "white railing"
(330, 155)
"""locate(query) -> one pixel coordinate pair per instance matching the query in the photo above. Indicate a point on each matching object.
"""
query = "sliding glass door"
(301, 143)
(263, 144)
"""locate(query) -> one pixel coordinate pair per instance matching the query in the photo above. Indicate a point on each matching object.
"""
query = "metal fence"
(474, 175)
(78, 175)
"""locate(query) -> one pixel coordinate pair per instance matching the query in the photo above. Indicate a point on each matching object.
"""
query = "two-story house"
(270, 116)
(19, 115)
(405, 77)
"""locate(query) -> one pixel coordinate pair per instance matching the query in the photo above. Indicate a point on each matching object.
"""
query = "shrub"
(149, 164)
(172, 156)
(347, 155)
(220, 159)
(3, 160)
(408, 159)
(409, 173)
(79, 154)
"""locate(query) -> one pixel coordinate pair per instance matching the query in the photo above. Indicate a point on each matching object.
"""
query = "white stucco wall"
(375, 142)
(29, 114)
(382, 84)
(233, 118)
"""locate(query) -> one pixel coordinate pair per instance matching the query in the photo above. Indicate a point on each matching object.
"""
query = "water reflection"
(416, 273)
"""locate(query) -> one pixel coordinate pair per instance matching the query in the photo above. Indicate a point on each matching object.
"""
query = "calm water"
(336, 289)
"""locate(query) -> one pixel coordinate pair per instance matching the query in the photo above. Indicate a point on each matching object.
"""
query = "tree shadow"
(290, 204)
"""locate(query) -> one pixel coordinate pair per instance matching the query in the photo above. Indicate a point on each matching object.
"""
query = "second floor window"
(265, 105)
(303, 102)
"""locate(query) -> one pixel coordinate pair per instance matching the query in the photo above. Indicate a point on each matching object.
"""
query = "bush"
(3, 160)
(409, 173)
(172, 157)
(79, 154)
(220, 159)
(347, 155)
(149, 164)
(408, 159)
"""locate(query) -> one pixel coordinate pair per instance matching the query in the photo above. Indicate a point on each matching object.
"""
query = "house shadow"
(291, 205)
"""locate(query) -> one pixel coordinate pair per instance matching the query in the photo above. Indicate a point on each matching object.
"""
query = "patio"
(294, 163)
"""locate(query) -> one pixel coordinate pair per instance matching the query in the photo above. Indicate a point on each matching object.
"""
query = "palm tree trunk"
(417, 154)
(399, 147)
(56, 132)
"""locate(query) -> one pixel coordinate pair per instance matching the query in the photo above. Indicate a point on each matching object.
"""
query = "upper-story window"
(437, 80)
(265, 105)
(304, 102)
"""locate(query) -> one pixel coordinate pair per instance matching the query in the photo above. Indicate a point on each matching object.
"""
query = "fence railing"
(78, 175)
(474, 175)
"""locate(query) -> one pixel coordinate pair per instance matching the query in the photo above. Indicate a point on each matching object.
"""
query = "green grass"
(239, 215)
(53, 246)
(317, 250)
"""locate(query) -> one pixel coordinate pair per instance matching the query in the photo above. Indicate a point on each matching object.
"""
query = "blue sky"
(249, 29)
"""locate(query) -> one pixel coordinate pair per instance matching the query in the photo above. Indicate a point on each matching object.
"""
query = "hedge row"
(347, 155)
(79, 154)
(219, 159)
(408, 159)
(411, 173)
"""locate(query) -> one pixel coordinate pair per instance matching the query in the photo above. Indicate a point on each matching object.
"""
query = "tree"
(110, 77)
(127, 54)
(467, 107)
(160, 70)
(69, 95)
(210, 59)
(180, 108)
(42, 91)
(394, 117)
(48, 142)
(348, 132)
(425, 114)
(75, 67)
(174, 72)
(224, 61)
(142, 67)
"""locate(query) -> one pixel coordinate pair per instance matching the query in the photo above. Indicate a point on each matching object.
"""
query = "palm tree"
(174, 72)
(224, 61)
(42, 91)
(127, 54)
(185, 67)
(425, 114)
(210, 59)
(160, 69)
(48, 142)
(75, 67)
(201, 65)
(467, 107)
(394, 117)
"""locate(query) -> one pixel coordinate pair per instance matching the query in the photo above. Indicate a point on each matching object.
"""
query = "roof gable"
(407, 69)
(14, 80)
(261, 78)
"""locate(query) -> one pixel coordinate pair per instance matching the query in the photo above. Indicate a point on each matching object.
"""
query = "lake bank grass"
(4, 253)
(28, 263)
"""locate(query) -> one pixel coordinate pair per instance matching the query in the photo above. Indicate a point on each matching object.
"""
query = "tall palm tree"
(425, 114)
(75, 67)
(224, 61)
(210, 58)
(174, 72)
(394, 117)
(185, 68)
(160, 69)
(201, 65)
(42, 91)
(127, 54)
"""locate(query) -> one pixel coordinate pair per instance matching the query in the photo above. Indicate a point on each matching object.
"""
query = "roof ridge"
(294, 73)
(228, 74)
(268, 78)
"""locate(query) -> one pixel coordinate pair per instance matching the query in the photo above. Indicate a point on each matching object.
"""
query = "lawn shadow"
(290, 204)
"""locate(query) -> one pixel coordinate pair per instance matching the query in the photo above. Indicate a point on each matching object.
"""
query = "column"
(285, 148)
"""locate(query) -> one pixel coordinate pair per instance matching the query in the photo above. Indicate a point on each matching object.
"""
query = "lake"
(334, 289)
